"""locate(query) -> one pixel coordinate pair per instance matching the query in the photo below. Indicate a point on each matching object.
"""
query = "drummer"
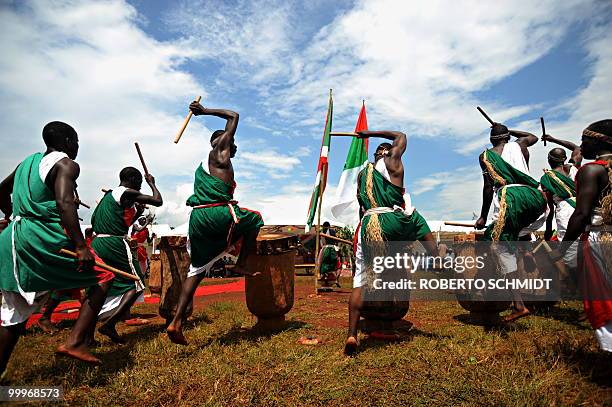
(216, 221)
(386, 215)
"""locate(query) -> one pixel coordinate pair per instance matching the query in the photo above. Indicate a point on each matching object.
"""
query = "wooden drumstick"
(336, 238)
(465, 225)
(482, 112)
(543, 129)
(142, 161)
(185, 123)
(83, 203)
(104, 266)
(343, 133)
(78, 201)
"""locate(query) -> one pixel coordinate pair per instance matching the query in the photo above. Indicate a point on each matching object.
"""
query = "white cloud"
(423, 185)
(457, 196)
(253, 38)
(420, 65)
(89, 64)
(271, 160)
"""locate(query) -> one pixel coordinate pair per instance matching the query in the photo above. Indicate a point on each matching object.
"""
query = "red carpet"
(70, 309)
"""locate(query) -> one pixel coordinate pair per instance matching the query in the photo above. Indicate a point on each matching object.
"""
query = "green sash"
(503, 173)
(520, 205)
(375, 191)
(38, 236)
(560, 185)
(212, 229)
(209, 189)
(108, 219)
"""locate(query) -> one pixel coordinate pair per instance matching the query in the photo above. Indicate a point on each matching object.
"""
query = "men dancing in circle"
(216, 221)
(385, 216)
(518, 203)
(591, 222)
(45, 220)
(111, 220)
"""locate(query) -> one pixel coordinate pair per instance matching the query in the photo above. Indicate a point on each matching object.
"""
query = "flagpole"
(318, 228)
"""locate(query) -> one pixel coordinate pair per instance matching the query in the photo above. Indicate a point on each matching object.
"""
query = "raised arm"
(487, 195)
(6, 189)
(524, 138)
(67, 172)
(576, 157)
(131, 196)
(399, 140)
(222, 146)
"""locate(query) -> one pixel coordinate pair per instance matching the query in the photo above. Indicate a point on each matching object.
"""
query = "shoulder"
(67, 166)
(592, 168)
(591, 171)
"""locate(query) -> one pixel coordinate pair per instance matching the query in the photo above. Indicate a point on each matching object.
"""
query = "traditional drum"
(155, 274)
(269, 295)
(537, 264)
(482, 312)
(383, 316)
(174, 267)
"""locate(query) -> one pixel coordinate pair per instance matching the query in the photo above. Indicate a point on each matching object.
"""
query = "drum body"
(269, 295)
(537, 266)
(482, 312)
(175, 263)
(383, 316)
(155, 274)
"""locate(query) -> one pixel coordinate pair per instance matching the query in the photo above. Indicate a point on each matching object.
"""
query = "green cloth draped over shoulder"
(375, 191)
(39, 236)
(520, 201)
(109, 219)
(560, 185)
(212, 228)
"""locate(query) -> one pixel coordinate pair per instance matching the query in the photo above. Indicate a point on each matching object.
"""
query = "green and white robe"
(111, 222)
(216, 221)
(30, 263)
(386, 215)
(519, 206)
(563, 190)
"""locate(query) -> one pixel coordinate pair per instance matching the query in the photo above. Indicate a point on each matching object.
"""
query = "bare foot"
(111, 333)
(81, 353)
(350, 346)
(516, 315)
(176, 335)
(46, 325)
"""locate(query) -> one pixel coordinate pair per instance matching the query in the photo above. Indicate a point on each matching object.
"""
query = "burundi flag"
(321, 180)
(346, 208)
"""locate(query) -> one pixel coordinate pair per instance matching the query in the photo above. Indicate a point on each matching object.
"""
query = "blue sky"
(125, 71)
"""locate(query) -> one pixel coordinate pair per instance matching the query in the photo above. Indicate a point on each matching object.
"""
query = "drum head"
(275, 243)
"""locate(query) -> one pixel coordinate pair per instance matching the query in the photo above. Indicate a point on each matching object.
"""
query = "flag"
(346, 208)
(321, 180)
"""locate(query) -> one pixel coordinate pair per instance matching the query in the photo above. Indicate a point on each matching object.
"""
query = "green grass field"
(542, 360)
